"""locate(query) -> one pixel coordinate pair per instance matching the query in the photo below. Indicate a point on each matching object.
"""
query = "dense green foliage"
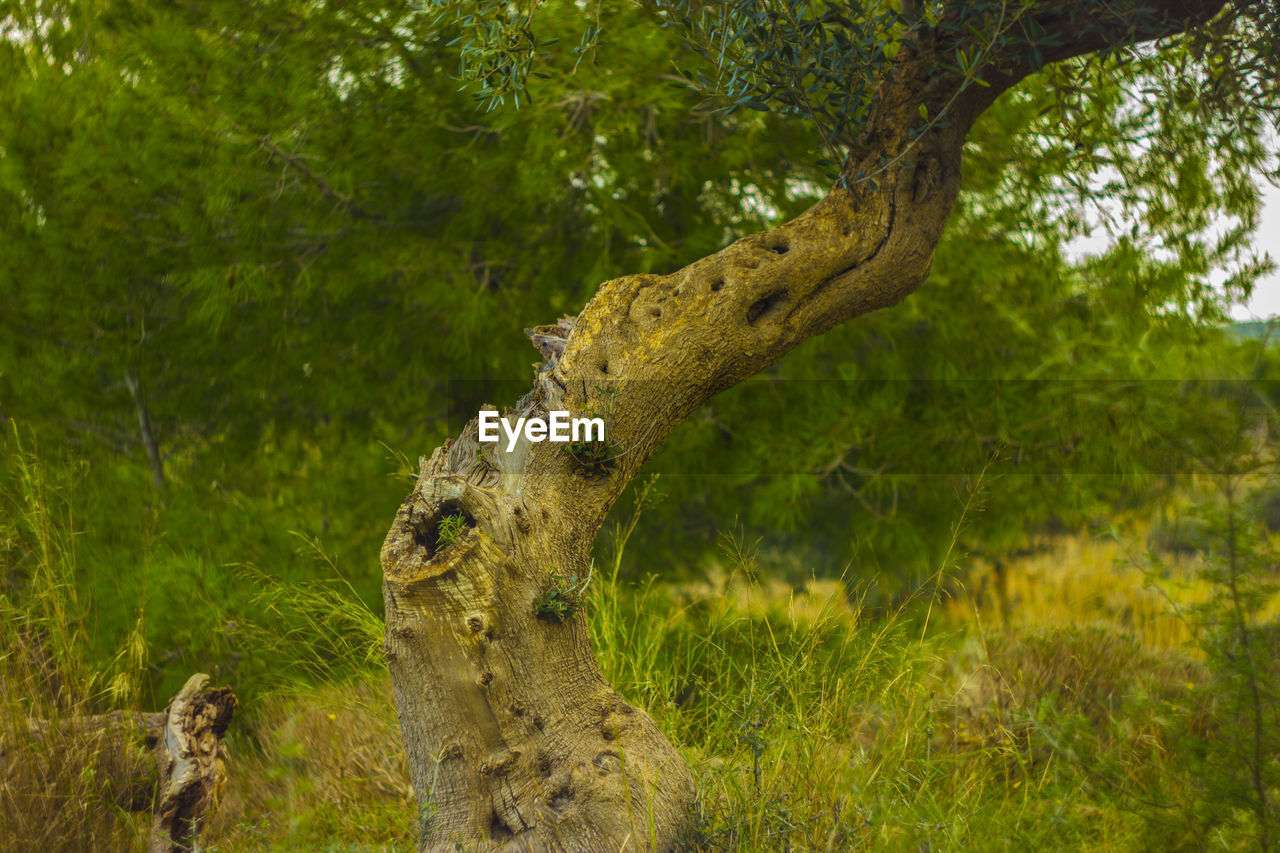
(292, 225)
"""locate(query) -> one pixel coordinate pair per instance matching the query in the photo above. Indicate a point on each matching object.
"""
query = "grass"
(59, 791)
(1048, 705)
(808, 727)
(319, 768)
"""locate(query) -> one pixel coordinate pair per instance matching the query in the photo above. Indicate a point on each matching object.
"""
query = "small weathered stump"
(191, 763)
(170, 763)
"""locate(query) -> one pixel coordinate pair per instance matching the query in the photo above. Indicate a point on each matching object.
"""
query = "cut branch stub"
(192, 763)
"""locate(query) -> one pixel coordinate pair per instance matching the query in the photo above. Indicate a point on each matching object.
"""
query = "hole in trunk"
(498, 830)
(434, 533)
(762, 306)
(561, 798)
(717, 284)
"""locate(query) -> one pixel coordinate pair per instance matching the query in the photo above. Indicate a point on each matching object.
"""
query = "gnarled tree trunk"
(515, 741)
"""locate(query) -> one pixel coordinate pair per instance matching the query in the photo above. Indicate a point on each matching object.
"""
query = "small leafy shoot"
(562, 598)
(451, 527)
(596, 456)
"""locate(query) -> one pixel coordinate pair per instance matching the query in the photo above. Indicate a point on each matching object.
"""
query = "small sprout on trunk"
(563, 596)
(451, 526)
(597, 455)
(594, 455)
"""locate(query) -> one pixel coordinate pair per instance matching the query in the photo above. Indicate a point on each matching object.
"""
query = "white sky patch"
(754, 200)
(1264, 302)
(342, 80)
(393, 72)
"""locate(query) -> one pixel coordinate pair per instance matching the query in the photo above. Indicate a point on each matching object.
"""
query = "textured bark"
(191, 764)
(515, 741)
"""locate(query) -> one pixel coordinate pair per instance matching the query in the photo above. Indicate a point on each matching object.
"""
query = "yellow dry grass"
(1086, 580)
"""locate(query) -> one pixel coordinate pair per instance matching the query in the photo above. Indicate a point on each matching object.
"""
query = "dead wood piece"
(171, 763)
(192, 763)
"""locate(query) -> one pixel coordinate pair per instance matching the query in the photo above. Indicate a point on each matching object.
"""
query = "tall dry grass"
(62, 787)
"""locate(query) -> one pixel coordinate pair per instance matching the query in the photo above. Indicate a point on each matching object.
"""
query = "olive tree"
(515, 741)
